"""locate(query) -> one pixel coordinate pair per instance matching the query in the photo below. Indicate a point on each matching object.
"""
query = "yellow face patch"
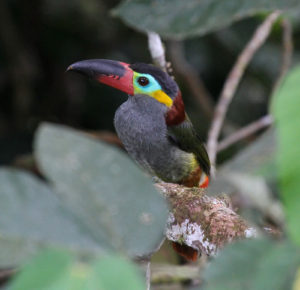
(162, 97)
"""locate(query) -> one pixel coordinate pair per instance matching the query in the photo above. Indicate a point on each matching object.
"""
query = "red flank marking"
(205, 182)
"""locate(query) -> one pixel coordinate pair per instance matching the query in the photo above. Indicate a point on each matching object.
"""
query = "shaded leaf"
(102, 186)
(258, 158)
(255, 190)
(43, 271)
(286, 104)
(180, 19)
(249, 173)
(58, 270)
(32, 217)
(253, 265)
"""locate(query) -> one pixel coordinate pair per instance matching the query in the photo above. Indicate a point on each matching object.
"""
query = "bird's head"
(133, 79)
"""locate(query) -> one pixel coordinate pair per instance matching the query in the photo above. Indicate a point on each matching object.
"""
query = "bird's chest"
(142, 129)
(140, 124)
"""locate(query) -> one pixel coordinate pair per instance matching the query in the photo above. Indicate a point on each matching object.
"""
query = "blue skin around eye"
(151, 87)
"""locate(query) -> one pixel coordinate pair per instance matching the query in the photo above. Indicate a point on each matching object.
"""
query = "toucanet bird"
(153, 125)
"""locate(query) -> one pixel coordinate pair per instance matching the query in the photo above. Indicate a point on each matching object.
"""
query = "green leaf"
(103, 187)
(253, 265)
(112, 272)
(180, 19)
(43, 272)
(286, 104)
(58, 270)
(32, 217)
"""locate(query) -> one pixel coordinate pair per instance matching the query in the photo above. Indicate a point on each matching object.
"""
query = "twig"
(148, 275)
(191, 78)
(245, 132)
(233, 80)
(287, 51)
(145, 261)
(157, 50)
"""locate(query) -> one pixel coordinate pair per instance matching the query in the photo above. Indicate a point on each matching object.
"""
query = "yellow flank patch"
(162, 97)
(194, 162)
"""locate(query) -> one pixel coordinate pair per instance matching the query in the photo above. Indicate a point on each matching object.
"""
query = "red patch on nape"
(185, 251)
(176, 113)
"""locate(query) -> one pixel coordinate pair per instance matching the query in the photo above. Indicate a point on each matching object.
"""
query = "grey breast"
(140, 124)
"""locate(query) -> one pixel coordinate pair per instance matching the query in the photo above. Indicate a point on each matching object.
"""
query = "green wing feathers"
(187, 139)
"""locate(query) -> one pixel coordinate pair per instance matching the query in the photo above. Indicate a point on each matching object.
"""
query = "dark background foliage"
(40, 38)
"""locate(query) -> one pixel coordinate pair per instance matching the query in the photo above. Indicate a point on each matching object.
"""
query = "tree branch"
(287, 52)
(233, 80)
(245, 132)
(202, 222)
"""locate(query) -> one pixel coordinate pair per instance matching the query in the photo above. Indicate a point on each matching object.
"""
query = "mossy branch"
(202, 222)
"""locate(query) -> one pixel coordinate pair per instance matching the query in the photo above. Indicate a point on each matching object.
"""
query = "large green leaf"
(43, 272)
(180, 19)
(286, 104)
(102, 186)
(58, 270)
(253, 265)
(32, 217)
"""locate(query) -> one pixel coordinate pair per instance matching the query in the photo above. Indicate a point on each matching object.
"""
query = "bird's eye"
(143, 81)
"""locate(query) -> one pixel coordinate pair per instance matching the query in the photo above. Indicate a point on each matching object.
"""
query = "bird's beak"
(112, 73)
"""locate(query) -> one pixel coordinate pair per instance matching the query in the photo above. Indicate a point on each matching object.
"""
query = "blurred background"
(40, 38)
